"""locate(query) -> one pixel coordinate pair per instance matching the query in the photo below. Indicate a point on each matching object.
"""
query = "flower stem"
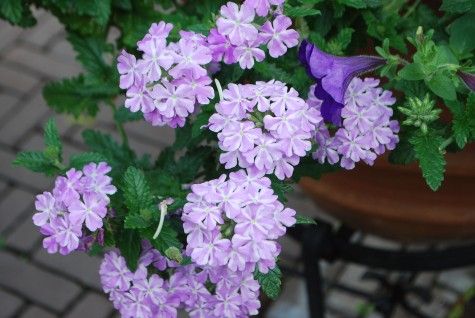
(446, 143)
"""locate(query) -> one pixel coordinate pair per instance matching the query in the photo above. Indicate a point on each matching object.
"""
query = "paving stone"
(292, 302)
(459, 280)
(21, 175)
(36, 312)
(25, 236)
(3, 186)
(15, 80)
(43, 32)
(352, 277)
(343, 302)
(160, 136)
(14, 203)
(92, 305)
(9, 304)
(6, 103)
(62, 50)
(36, 284)
(25, 119)
(79, 265)
(379, 242)
(8, 34)
(43, 64)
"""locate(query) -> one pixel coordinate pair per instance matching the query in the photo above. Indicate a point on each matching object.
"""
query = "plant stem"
(411, 9)
(119, 126)
(446, 143)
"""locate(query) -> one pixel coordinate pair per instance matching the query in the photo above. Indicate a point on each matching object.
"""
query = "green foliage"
(123, 115)
(429, 153)
(270, 282)
(128, 241)
(420, 113)
(303, 219)
(80, 160)
(136, 190)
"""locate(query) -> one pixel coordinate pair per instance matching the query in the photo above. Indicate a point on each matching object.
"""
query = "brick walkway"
(34, 284)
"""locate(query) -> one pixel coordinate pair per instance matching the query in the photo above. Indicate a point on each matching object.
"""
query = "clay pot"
(393, 201)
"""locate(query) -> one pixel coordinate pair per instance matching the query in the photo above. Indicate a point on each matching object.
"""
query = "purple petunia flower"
(468, 79)
(333, 75)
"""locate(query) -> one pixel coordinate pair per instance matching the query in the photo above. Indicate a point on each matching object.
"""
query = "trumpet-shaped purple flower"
(333, 75)
(468, 79)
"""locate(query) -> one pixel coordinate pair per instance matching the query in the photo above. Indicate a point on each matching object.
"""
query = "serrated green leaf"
(90, 53)
(457, 6)
(303, 219)
(52, 140)
(12, 10)
(135, 221)
(430, 156)
(167, 238)
(123, 115)
(358, 4)
(104, 144)
(412, 72)
(302, 11)
(270, 282)
(74, 96)
(129, 244)
(137, 193)
(80, 160)
(280, 188)
(36, 162)
(441, 84)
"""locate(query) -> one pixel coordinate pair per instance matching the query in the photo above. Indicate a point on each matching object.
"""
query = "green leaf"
(270, 282)
(37, 162)
(412, 72)
(136, 190)
(280, 188)
(461, 32)
(296, 12)
(80, 160)
(303, 219)
(129, 244)
(74, 96)
(123, 115)
(115, 154)
(358, 4)
(90, 51)
(457, 6)
(167, 238)
(200, 121)
(430, 156)
(174, 254)
(441, 84)
(52, 140)
(404, 152)
(463, 124)
(12, 10)
(135, 221)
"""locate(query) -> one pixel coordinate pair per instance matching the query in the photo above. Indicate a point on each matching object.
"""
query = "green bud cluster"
(420, 112)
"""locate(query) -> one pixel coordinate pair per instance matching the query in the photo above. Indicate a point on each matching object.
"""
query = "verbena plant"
(260, 94)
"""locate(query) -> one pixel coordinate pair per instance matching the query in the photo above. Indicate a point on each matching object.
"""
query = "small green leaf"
(441, 84)
(123, 115)
(270, 282)
(303, 219)
(52, 140)
(430, 156)
(135, 221)
(80, 160)
(36, 162)
(129, 244)
(174, 254)
(296, 12)
(412, 72)
(137, 193)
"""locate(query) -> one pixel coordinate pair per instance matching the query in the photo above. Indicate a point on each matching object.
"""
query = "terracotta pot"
(393, 201)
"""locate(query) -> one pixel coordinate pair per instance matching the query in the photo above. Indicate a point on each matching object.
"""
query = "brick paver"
(34, 284)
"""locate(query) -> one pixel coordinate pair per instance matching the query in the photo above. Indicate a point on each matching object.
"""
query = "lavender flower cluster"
(234, 223)
(265, 126)
(76, 206)
(367, 130)
(170, 79)
(159, 287)
(237, 39)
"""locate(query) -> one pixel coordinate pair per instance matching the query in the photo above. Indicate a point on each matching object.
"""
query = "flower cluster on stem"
(71, 216)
